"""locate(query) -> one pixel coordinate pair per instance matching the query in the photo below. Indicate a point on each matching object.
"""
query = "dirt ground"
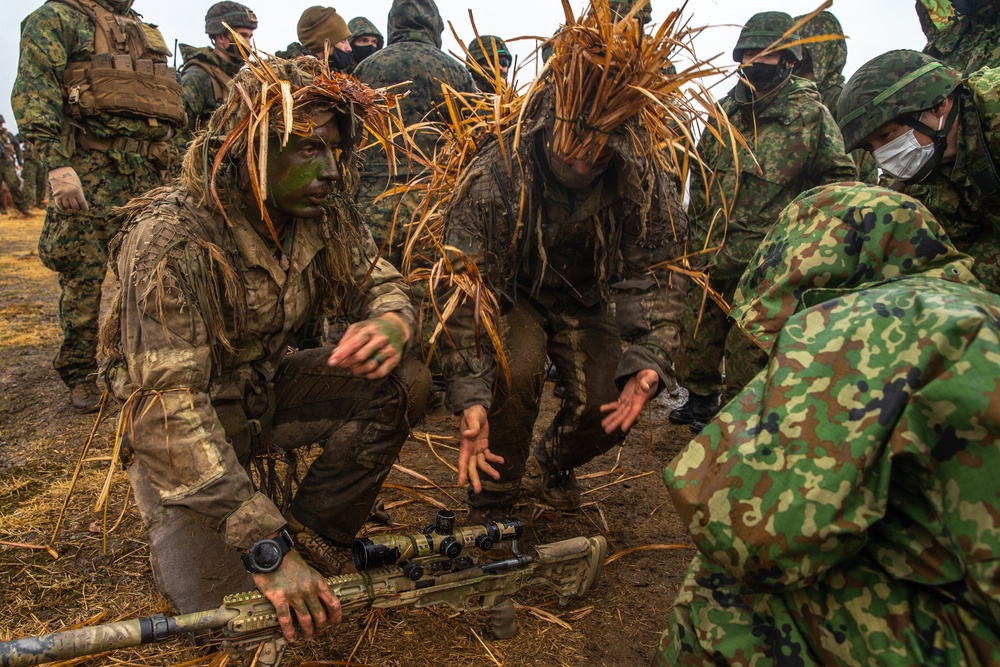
(97, 569)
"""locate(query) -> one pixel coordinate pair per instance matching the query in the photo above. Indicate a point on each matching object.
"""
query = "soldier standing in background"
(938, 136)
(10, 159)
(414, 54)
(207, 72)
(492, 55)
(365, 39)
(797, 146)
(95, 94)
(318, 28)
(32, 174)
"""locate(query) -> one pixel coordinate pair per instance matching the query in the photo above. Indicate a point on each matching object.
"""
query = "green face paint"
(302, 176)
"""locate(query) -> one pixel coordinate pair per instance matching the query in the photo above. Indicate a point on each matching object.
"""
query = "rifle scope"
(440, 538)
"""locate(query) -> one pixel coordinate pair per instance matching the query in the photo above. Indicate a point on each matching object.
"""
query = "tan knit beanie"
(318, 24)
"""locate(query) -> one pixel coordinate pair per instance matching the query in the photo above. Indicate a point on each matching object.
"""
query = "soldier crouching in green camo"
(794, 144)
(210, 296)
(207, 72)
(10, 157)
(844, 504)
(95, 95)
(939, 137)
(32, 173)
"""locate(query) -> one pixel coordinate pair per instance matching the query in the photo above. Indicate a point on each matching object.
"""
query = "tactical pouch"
(118, 91)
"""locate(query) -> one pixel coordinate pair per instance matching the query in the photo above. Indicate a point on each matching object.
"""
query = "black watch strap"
(266, 555)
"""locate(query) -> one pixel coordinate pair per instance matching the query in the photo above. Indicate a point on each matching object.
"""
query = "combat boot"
(559, 486)
(322, 554)
(698, 408)
(85, 397)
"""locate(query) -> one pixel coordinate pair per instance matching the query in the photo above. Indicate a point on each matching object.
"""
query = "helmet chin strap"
(939, 137)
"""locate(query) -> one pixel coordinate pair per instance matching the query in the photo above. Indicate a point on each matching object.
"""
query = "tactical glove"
(67, 191)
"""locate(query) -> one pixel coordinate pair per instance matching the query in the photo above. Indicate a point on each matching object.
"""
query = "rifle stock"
(570, 567)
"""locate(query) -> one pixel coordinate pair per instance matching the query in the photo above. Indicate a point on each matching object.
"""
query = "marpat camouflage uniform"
(10, 158)
(205, 77)
(966, 43)
(844, 503)
(413, 54)
(963, 195)
(33, 174)
(556, 284)
(116, 156)
(797, 145)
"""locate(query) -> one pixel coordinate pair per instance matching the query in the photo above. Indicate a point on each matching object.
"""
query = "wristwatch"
(266, 555)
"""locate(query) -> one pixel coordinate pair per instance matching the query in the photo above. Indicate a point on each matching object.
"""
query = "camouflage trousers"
(585, 346)
(854, 615)
(701, 356)
(361, 425)
(75, 245)
(8, 175)
(36, 183)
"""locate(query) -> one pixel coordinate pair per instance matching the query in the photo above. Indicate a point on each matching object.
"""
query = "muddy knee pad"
(192, 567)
(416, 377)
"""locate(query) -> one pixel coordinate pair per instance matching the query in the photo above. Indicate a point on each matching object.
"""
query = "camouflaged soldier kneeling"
(210, 295)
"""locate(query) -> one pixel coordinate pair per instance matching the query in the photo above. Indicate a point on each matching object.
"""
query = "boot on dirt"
(559, 486)
(698, 408)
(323, 555)
(85, 397)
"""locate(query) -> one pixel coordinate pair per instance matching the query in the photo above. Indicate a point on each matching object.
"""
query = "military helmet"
(2, 120)
(894, 84)
(763, 30)
(232, 13)
(481, 49)
(623, 7)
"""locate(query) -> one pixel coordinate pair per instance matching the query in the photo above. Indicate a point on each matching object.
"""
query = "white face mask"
(903, 157)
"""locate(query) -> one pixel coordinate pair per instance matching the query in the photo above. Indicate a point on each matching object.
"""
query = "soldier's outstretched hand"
(372, 348)
(474, 453)
(639, 390)
(296, 587)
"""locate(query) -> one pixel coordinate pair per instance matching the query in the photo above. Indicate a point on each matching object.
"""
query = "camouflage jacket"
(575, 247)
(205, 78)
(965, 43)
(169, 357)
(10, 150)
(52, 36)
(964, 196)
(413, 54)
(870, 440)
(828, 57)
(797, 146)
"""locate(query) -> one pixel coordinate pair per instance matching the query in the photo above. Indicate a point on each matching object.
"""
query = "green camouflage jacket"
(828, 57)
(200, 98)
(797, 146)
(855, 477)
(576, 247)
(52, 36)
(165, 345)
(966, 43)
(413, 54)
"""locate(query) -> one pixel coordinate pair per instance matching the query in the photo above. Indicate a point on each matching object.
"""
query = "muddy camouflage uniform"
(33, 174)
(413, 54)
(10, 158)
(116, 156)
(966, 43)
(598, 243)
(844, 503)
(797, 146)
(964, 195)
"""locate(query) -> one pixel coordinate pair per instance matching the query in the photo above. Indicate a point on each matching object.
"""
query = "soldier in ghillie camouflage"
(794, 144)
(209, 298)
(844, 503)
(938, 136)
(207, 72)
(96, 96)
(967, 38)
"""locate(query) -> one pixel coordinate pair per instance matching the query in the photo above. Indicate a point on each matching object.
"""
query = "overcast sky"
(872, 26)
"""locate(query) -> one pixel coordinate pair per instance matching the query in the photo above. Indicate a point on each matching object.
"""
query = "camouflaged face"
(836, 239)
(892, 85)
(763, 30)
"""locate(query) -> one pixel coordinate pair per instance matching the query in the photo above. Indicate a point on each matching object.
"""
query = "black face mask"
(971, 7)
(340, 60)
(233, 52)
(764, 77)
(362, 52)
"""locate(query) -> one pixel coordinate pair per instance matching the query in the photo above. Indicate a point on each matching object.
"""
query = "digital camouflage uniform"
(597, 244)
(797, 146)
(413, 54)
(33, 174)
(360, 26)
(205, 77)
(826, 60)
(10, 158)
(116, 156)
(966, 43)
(200, 410)
(963, 195)
(844, 503)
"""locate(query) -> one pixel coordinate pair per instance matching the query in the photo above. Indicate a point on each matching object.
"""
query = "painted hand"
(372, 348)
(474, 453)
(638, 391)
(296, 587)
